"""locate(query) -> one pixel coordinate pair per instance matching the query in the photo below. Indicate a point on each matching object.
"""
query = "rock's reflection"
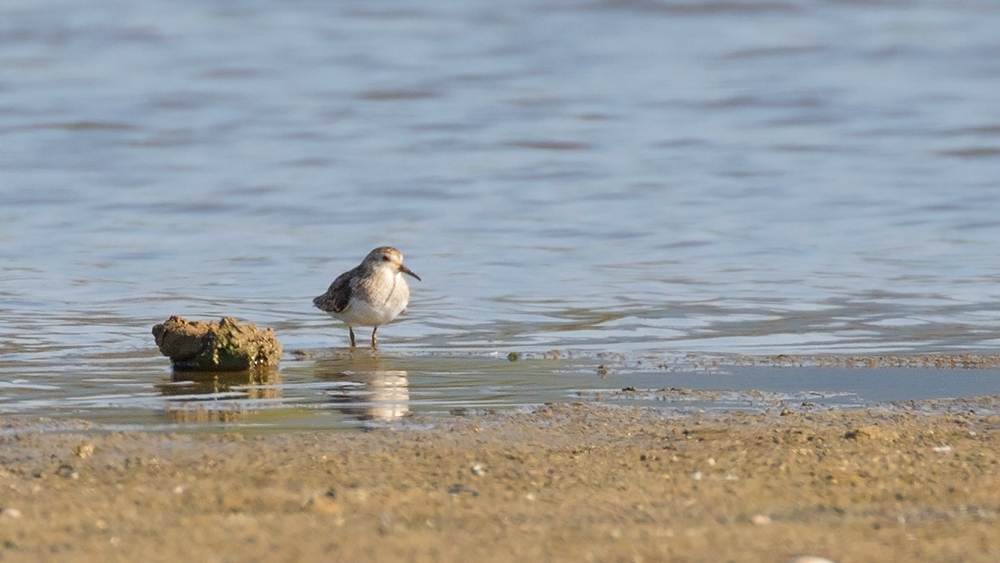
(370, 389)
(204, 396)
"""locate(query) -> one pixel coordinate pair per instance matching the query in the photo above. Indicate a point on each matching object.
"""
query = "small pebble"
(323, 504)
(11, 513)
(385, 524)
(459, 489)
(760, 519)
(477, 469)
(67, 471)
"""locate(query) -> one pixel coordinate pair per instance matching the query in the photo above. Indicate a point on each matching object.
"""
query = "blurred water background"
(637, 177)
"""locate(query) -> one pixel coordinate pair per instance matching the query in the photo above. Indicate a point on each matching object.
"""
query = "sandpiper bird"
(372, 294)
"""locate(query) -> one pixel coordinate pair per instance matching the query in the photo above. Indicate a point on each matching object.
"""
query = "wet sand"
(580, 482)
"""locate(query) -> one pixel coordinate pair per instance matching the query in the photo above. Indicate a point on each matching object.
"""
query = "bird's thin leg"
(374, 340)
(350, 328)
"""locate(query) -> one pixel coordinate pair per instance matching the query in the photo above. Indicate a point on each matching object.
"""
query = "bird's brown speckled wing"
(337, 297)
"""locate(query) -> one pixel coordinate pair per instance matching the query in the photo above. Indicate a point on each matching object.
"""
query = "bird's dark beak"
(406, 270)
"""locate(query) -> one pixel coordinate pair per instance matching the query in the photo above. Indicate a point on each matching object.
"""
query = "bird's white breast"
(382, 303)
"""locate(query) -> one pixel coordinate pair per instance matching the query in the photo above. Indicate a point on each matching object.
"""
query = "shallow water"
(347, 389)
(638, 177)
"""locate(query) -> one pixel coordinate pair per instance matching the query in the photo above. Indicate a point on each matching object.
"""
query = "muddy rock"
(224, 346)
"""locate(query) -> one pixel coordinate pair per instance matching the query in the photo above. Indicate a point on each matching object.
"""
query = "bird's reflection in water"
(217, 396)
(369, 388)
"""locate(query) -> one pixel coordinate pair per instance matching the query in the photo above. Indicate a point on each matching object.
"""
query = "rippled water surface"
(645, 178)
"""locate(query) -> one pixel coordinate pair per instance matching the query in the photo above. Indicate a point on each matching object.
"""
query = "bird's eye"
(385, 258)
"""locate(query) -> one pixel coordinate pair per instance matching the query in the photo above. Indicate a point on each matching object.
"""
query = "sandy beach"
(574, 482)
